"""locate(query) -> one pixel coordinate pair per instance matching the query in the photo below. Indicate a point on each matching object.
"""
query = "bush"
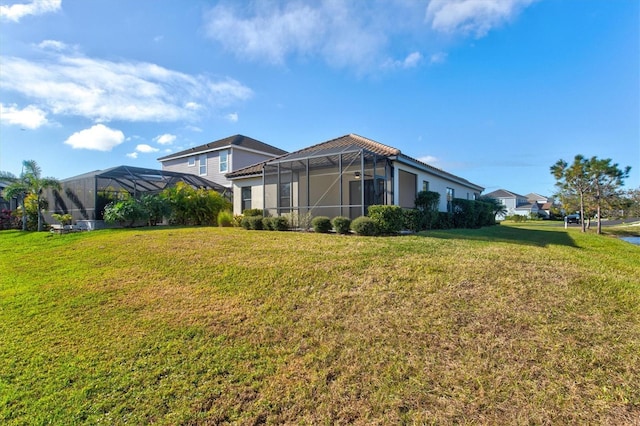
(364, 225)
(389, 219)
(279, 223)
(516, 218)
(245, 223)
(64, 219)
(443, 221)
(321, 224)
(237, 220)
(427, 204)
(225, 218)
(267, 223)
(252, 212)
(190, 206)
(125, 212)
(411, 219)
(341, 224)
(254, 222)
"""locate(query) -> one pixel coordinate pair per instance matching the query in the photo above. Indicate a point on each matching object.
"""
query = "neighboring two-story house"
(523, 205)
(214, 160)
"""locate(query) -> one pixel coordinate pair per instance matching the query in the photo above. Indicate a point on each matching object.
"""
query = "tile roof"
(346, 143)
(342, 144)
(236, 140)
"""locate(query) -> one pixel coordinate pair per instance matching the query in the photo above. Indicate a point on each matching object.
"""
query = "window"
(285, 197)
(450, 195)
(425, 185)
(203, 164)
(224, 161)
(191, 161)
(246, 197)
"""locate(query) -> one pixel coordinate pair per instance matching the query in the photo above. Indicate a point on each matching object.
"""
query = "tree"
(631, 203)
(17, 188)
(606, 180)
(497, 207)
(593, 182)
(573, 181)
(29, 182)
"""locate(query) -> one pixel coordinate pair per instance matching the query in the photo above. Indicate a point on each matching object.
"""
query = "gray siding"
(237, 159)
(241, 159)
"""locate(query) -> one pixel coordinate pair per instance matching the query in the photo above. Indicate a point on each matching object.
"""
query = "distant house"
(342, 177)
(8, 204)
(545, 203)
(214, 160)
(523, 205)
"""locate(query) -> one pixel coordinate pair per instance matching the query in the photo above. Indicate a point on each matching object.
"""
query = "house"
(546, 203)
(342, 177)
(7, 204)
(523, 205)
(214, 160)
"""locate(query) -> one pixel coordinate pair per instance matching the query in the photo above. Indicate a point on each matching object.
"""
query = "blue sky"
(495, 91)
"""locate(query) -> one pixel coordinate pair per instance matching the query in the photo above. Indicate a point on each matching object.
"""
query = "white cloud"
(358, 35)
(412, 60)
(146, 149)
(17, 11)
(53, 45)
(104, 90)
(99, 138)
(476, 17)
(438, 58)
(133, 155)
(430, 160)
(233, 117)
(339, 32)
(165, 139)
(30, 117)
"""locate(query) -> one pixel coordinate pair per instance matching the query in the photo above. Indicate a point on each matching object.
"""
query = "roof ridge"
(368, 140)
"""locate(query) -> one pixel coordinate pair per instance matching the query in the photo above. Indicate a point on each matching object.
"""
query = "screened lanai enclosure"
(85, 196)
(336, 181)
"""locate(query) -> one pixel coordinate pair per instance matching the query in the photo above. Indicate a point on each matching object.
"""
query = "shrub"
(516, 218)
(389, 219)
(267, 223)
(237, 220)
(279, 223)
(225, 218)
(427, 204)
(341, 224)
(321, 224)
(411, 219)
(64, 219)
(364, 225)
(190, 206)
(125, 212)
(255, 222)
(252, 212)
(443, 221)
(245, 223)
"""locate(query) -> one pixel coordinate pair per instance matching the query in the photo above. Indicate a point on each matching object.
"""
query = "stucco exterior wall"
(256, 193)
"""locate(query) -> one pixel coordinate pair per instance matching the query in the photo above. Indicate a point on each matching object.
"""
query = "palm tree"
(30, 181)
(498, 208)
(17, 188)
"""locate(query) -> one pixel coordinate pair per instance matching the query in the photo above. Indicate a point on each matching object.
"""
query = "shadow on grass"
(507, 234)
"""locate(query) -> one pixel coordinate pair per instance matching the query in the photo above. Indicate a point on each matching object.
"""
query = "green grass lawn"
(527, 324)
